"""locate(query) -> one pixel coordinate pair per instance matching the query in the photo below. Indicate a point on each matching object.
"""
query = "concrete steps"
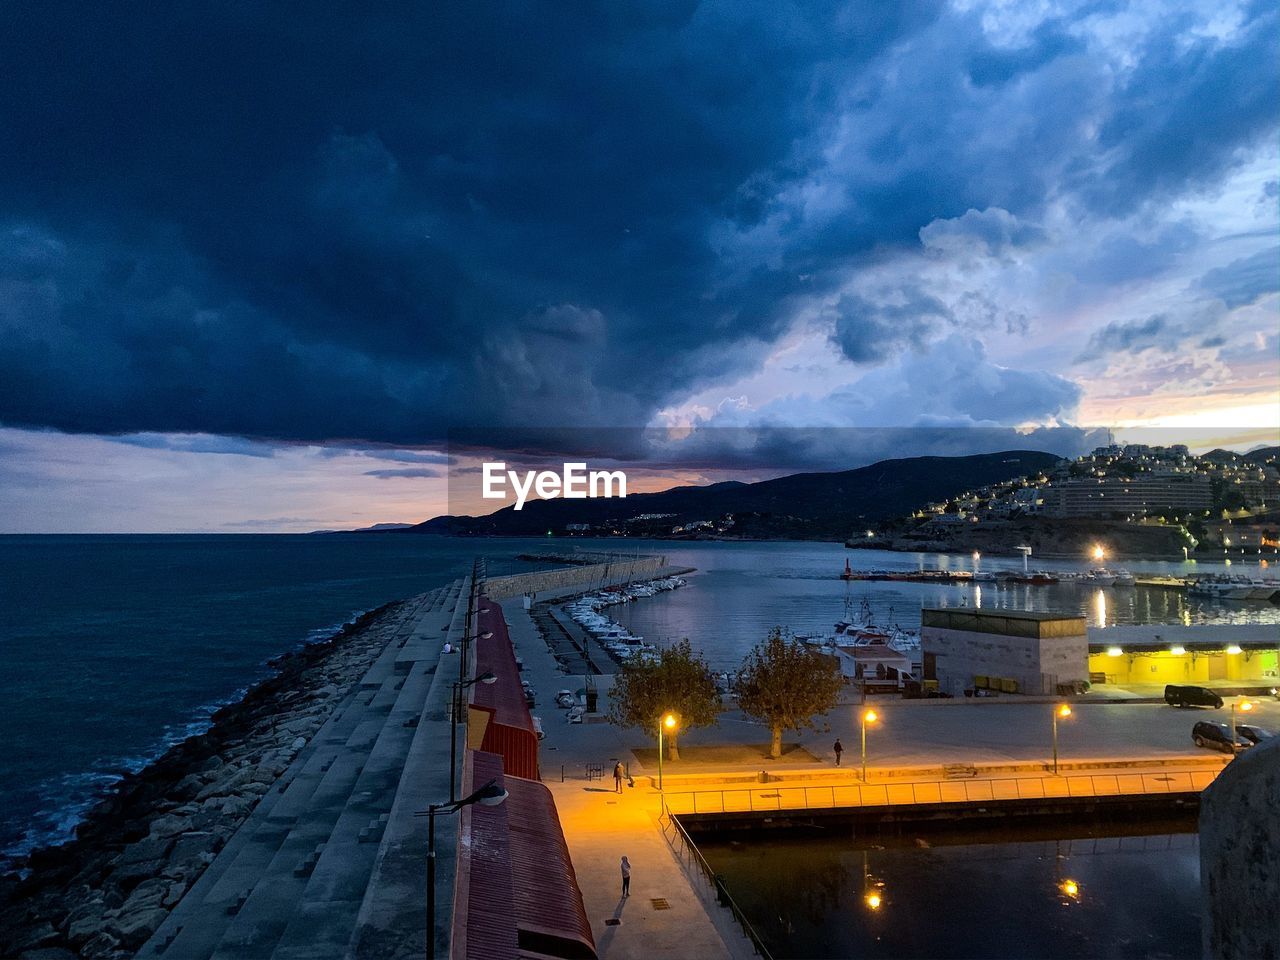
(247, 897)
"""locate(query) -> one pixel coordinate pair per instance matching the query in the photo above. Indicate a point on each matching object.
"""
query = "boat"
(1124, 579)
(1038, 579)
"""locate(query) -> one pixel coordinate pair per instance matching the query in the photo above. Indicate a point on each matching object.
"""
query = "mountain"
(803, 505)
(1259, 455)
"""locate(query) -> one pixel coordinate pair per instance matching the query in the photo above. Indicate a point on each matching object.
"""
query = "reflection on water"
(1056, 893)
(743, 589)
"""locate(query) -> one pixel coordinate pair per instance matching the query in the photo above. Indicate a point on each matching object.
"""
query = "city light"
(669, 721)
(873, 901)
(1098, 552)
(1064, 710)
(870, 716)
(1116, 652)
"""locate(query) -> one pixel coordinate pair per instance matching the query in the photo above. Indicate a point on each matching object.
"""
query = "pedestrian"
(839, 749)
(626, 877)
(618, 773)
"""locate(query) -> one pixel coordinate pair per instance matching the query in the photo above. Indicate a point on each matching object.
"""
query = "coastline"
(140, 847)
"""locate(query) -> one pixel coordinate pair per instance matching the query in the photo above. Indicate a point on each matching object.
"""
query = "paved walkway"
(601, 826)
(330, 862)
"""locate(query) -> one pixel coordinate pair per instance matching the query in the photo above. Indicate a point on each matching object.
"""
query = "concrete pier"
(330, 863)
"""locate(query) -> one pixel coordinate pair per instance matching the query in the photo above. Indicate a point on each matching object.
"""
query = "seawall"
(540, 581)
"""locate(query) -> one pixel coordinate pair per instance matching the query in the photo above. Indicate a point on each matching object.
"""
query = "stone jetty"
(148, 846)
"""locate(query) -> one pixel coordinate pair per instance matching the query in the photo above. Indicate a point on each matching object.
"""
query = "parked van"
(1181, 696)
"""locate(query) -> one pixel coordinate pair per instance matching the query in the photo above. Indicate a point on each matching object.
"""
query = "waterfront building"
(1213, 654)
(1010, 651)
(1128, 496)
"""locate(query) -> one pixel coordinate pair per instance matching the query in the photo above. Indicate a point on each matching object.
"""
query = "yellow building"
(1253, 662)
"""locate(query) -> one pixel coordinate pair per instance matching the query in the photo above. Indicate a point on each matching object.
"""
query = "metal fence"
(691, 857)
(777, 797)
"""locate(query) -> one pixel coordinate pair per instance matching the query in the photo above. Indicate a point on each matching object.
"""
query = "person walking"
(838, 747)
(618, 773)
(626, 877)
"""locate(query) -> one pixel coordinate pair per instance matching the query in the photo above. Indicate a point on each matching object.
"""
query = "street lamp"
(1062, 710)
(868, 716)
(490, 795)
(1244, 707)
(458, 687)
(669, 721)
(1098, 552)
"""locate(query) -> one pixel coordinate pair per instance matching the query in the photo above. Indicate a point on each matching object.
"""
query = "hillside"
(803, 505)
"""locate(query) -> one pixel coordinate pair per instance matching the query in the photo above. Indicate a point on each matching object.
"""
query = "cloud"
(1245, 280)
(1164, 332)
(379, 227)
(416, 473)
(990, 232)
(866, 331)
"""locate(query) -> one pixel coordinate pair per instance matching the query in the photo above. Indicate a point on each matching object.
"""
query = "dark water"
(743, 589)
(1060, 893)
(113, 647)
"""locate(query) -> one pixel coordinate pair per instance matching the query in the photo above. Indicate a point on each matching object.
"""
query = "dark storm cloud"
(376, 223)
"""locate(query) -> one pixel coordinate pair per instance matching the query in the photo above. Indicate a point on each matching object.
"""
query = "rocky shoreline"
(141, 847)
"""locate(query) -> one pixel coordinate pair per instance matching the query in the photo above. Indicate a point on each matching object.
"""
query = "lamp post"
(669, 721)
(458, 687)
(490, 795)
(1244, 707)
(868, 716)
(1062, 710)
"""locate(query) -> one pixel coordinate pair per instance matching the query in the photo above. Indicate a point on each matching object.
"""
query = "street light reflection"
(873, 901)
(1070, 888)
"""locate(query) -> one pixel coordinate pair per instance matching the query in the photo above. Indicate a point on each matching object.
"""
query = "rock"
(103, 945)
(128, 875)
(40, 935)
(236, 807)
(148, 894)
(187, 787)
(47, 953)
(133, 929)
(145, 850)
(191, 845)
(213, 763)
(298, 743)
(169, 826)
(85, 926)
(176, 890)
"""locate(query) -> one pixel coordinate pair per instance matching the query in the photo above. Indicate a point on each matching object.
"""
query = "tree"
(678, 682)
(786, 684)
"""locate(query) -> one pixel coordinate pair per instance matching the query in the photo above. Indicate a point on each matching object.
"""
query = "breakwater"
(617, 570)
(150, 838)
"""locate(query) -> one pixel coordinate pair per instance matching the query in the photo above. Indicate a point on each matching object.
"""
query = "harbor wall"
(1240, 857)
(622, 570)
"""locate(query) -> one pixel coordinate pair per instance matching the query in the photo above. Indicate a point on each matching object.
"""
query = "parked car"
(1217, 736)
(1254, 735)
(1177, 695)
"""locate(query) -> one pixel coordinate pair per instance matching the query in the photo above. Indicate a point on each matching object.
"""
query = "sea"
(113, 648)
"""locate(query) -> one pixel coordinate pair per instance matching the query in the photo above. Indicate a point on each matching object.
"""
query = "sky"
(262, 271)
